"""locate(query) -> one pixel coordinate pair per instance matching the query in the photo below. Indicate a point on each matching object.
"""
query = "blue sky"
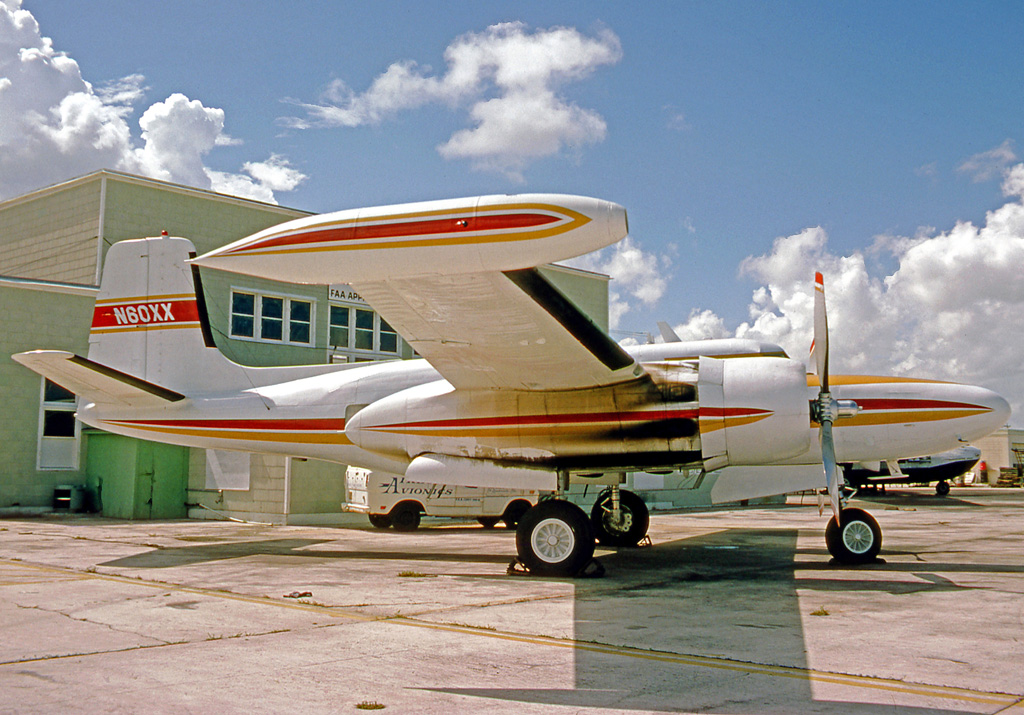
(749, 141)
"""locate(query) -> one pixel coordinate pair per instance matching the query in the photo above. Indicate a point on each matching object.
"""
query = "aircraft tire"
(514, 513)
(859, 539)
(555, 538)
(637, 518)
(942, 488)
(405, 516)
(379, 521)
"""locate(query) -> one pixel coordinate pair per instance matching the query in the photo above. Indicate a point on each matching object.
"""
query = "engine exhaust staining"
(547, 296)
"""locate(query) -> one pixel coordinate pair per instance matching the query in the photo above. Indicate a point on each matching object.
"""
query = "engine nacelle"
(752, 411)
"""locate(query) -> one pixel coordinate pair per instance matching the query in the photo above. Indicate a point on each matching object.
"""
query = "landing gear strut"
(619, 517)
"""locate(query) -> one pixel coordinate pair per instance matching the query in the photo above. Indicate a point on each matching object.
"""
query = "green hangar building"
(52, 245)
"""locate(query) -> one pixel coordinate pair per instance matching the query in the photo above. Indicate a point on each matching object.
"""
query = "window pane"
(364, 319)
(339, 316)
(52, 392)
(388, 338)
(298, 332)
(300, 310)
(242, 325)
(243, 303)
(273, 307)
(272, 329)
(339, 337)
(58, 423)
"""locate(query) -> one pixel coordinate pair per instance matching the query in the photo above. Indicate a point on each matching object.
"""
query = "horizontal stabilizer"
(95, 382)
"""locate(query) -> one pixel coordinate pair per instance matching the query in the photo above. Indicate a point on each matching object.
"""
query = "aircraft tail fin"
(150, 324)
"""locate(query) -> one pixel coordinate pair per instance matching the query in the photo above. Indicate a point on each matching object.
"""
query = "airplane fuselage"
(381, 416)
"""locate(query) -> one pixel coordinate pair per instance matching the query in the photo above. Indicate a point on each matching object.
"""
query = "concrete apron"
(729, 611)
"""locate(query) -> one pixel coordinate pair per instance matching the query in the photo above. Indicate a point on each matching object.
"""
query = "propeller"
(826, 409)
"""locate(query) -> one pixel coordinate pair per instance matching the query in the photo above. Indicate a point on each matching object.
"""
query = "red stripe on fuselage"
(406, 228)
(311, 425)
(893, 403)
(574, 418)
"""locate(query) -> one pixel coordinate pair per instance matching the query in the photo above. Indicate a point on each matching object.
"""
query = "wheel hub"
(621, 525)
(553, 541)
(858, 537)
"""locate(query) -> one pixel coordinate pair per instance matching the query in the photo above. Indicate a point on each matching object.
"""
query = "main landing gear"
(555, 538)
(857, 539)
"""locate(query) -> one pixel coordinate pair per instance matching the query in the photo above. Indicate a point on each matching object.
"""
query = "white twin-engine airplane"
(517, 387)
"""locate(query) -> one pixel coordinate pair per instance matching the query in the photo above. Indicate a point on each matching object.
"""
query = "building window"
(357, 329)
(271, 318)
(243, 315)
(364, 330)
(300, 314)
(388, 338)
(59, 433)
(339, 326)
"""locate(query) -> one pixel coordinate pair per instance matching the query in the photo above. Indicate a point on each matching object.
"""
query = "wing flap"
(492, 330)
(96, 382)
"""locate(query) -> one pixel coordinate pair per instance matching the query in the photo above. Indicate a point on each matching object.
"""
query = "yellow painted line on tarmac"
(165, 586)
(889, 685)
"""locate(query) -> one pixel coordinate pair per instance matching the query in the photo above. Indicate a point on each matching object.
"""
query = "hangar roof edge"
(49, 286)
(144, 181)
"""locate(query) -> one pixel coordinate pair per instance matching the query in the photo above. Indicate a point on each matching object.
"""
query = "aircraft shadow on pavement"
(732, 593)
(185, 555)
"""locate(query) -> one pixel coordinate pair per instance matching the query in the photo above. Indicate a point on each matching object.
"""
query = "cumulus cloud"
(991, 164)
(55, 125)
(510, 79)
(638, 276)
(950, 310)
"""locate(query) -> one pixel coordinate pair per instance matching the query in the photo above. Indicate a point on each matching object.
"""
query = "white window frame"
(49, 447)
(257, 336)
(359, 354)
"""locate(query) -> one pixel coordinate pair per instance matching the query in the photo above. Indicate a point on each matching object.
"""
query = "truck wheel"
(635, 519)
(942, 488)
(487, 522)
(379, 521)
(555, 538)
(405, 516)
(514, 513)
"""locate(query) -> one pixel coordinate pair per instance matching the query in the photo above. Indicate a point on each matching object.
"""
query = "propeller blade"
(820, 345)
(826, 407)
(828, 458)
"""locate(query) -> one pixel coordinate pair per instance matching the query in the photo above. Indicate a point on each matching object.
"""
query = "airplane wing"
(456, 278)
(95, 382)
(504, 330)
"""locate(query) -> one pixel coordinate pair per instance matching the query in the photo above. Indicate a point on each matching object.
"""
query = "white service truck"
(391, 500)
